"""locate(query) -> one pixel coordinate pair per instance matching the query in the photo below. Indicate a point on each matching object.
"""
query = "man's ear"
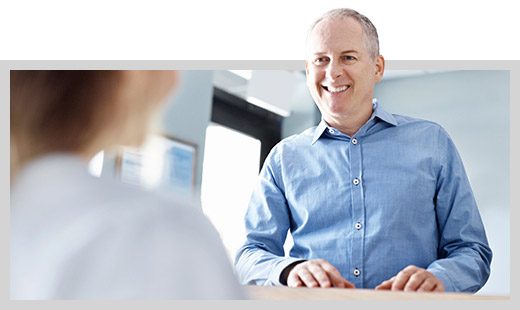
(380, 67)
(306, 68)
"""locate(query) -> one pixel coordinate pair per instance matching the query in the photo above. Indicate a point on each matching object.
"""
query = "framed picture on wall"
(163, 163)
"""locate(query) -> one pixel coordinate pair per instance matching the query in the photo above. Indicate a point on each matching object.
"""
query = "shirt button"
(357, 272)
(331, 131)
(354, 141)
(355, 181)
(358, 225)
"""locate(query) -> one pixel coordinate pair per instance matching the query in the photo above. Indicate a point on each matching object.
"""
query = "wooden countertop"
(287, 293)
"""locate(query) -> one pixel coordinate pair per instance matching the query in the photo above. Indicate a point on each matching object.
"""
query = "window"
(95, 165)
(238, 114)
(229, 174)
(238, 140)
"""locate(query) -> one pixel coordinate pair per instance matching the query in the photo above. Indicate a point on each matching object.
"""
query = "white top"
(77, 236)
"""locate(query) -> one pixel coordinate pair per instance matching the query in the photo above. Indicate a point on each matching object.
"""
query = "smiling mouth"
(336, 90)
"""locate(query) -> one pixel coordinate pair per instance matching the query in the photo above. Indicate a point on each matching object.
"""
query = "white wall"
(188, 113)
(304, 113)
(473, 106)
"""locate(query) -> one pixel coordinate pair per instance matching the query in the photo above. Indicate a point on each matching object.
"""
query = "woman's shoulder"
(137, 204)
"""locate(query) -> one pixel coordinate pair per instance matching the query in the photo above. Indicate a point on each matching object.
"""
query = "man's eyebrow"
(343, 52)
(349, 51)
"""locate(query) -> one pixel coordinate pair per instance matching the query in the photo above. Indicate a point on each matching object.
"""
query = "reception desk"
(287, 293)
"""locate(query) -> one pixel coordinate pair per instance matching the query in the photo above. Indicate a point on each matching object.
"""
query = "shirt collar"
(319, 130)
(383, 115)
(378, 112)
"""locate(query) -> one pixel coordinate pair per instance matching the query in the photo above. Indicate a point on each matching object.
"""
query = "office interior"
(232, 118)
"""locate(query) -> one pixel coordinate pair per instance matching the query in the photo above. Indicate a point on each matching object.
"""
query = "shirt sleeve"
(260, 261)
(464, 256)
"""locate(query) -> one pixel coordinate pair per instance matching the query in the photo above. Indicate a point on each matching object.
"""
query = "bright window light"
(230, 172)
(95, 166)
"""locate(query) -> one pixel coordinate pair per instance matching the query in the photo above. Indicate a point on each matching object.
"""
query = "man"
(372, 200)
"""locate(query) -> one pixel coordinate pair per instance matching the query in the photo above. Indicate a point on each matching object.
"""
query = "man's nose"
(334, 71)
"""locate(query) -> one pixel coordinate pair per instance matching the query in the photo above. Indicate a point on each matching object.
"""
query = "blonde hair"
(78, 111)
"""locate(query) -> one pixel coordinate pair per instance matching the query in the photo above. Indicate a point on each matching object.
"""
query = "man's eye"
(349, 58)
(320, 60)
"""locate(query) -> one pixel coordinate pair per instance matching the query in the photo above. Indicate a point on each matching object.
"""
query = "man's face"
(341, 73)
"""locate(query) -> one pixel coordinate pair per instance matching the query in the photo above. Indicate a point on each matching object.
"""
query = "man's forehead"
(338, 34)
(336, 24)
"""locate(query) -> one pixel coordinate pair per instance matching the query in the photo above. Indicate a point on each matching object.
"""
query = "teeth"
(337, 90)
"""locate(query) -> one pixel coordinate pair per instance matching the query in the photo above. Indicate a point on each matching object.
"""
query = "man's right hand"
(316, 273)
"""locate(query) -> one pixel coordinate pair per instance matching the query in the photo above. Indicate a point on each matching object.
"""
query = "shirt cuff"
(274, 276)
(444, 277)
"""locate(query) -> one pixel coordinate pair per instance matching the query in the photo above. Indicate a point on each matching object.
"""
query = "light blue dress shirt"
(395, 194)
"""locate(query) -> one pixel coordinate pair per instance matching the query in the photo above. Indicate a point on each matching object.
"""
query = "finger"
(415, 281)
(428, 285)
(335, 277)
(307, 278)
(439, 287)
(385, 285)
(320, 275)
(293, 280)
(348, 284)
(402, 278)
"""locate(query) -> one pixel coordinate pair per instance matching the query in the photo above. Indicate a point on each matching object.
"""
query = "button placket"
(358, 210)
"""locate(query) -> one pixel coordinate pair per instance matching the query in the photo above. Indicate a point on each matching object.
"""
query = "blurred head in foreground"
(82, 112)
(76, 236)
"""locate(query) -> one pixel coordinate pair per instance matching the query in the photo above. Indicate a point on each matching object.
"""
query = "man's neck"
(350, 124)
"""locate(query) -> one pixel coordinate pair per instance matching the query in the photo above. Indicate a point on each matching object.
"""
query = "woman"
(77, 236)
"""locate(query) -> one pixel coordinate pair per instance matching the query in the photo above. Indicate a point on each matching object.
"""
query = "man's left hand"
(414, 279)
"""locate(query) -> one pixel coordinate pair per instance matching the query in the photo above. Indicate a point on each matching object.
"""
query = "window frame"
(238, 114)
